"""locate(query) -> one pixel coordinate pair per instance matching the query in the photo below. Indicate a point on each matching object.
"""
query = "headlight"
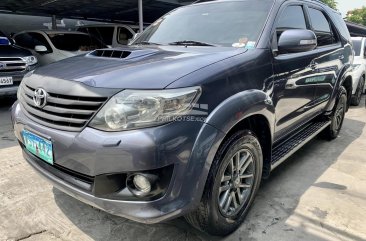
(30, 60)
(132, 109)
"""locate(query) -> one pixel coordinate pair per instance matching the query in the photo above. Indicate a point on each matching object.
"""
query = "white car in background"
(359, 69)
(113, 35)
(51, 46)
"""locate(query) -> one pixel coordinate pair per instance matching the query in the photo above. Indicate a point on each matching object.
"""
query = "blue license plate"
(39, 146)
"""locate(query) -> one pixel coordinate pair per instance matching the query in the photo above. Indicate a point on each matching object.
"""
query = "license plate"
(6, 80)
(39, 146)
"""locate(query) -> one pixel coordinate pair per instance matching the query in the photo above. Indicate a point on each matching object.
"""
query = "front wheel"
(231, 185)
(337, 116)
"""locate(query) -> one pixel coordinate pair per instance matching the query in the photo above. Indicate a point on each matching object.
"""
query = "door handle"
(341, 57)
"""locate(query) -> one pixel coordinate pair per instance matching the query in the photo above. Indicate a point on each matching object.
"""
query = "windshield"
(229, 24)
(75, 42)
(357, 47)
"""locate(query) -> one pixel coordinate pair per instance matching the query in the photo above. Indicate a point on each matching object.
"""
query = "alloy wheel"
(236, 183)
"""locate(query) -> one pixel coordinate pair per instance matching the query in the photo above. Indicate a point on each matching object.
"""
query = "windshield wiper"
(192, 43)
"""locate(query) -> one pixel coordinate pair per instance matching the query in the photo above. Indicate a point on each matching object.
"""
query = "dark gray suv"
(190, 117)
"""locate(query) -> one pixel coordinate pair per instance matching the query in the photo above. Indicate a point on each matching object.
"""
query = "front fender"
(241, 106)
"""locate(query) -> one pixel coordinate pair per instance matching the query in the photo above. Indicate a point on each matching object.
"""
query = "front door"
(294, 88)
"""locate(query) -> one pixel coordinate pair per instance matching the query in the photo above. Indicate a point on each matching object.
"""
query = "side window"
(124, 35)
(322, 28)
(24, 40)
(39, 39)
(103, 34)
(291, 18)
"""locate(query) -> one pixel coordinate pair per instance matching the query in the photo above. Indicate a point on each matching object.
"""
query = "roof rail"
(318, 1)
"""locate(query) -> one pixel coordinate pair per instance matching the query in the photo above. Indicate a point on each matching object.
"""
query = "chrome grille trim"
(13, 65)
(63, 112)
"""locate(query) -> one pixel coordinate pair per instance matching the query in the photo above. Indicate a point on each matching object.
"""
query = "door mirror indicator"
(297, 41)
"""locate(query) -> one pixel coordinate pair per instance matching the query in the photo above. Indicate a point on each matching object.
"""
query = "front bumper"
(188, 146)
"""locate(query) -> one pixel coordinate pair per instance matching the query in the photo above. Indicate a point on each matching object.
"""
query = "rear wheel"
(356, 99)
(337, 116)
(232, 183)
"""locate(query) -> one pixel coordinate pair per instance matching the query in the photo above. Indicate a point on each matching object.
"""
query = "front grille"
(63, 112)
(12, 65)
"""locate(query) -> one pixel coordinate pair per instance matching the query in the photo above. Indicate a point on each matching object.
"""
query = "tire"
(356, 99)
(337, 117)
(215, 218)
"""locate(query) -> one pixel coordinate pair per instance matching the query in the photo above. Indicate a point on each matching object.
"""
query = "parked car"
(51, 46)
(187, 120)
(359, 71)
(113, 35)
(14, 64)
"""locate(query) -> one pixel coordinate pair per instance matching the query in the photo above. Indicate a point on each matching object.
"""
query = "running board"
(283, 151)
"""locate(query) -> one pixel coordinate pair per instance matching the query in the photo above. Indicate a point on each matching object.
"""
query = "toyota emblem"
(2, 65)
(40, 97)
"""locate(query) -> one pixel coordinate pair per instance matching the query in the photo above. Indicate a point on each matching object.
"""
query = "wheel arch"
(251, 110)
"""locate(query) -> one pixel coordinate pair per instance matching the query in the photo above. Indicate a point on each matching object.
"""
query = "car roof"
(96, 25)
(47, 31)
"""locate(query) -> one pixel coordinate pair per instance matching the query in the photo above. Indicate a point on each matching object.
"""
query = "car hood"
(139, 68)
(9, 51)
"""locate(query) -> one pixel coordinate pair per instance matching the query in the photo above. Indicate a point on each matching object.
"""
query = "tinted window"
(31, 40)
(24, 40)
(292, 18)
(321, 27)
(75, 42)
(319, 21)
(104, 34)
(357, 47)
(225, 23)
(39, 39)
(124, 35)
(341, 25)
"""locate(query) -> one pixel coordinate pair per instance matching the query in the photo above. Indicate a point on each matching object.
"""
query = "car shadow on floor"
(276, 201)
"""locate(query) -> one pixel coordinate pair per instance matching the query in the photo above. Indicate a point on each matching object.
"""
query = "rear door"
(331, 55)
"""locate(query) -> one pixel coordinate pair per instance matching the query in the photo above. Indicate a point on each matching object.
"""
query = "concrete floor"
(318, 194)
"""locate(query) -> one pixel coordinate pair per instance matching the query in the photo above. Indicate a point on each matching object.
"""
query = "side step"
(283, 151)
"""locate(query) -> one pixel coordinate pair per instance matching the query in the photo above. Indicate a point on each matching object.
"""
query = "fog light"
(141, 183)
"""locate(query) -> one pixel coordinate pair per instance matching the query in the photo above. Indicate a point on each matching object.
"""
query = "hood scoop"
(106, 53)
(122, 53)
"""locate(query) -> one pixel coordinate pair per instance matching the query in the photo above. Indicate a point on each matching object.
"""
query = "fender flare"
(218, 124)
(241, 106)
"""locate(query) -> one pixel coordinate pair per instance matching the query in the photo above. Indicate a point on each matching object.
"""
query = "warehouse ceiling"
(106, 10)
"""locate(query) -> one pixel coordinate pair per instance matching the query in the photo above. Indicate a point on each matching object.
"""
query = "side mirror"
(40, 49)
(297, 41)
